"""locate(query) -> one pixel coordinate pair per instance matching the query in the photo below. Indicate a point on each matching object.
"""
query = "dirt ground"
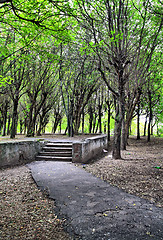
(27, 213)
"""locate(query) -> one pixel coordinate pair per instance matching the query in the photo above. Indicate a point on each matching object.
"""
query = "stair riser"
(56, 154)
(48, 149)
(45, 158)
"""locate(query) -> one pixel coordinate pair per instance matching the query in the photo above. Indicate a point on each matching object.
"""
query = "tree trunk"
(97, 127)
(57, 120)
(108, 134)
(124, 135)
(60, 126)
(145, 125)
(38, 133)
(138, 120)
(83, 121)
(90, 119)
(99, 118)
(116, 154)
(8, 127)
(150, 116)
(30, 132)
(14, 118)
(122, 118)
(94, 122)
(21, 126)
(1, 124)
(5, 119)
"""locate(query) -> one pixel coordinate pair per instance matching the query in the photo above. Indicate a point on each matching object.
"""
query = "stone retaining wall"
(82, 152)
(19, 152)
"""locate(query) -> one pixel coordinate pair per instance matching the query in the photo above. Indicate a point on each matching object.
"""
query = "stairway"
(56, 151)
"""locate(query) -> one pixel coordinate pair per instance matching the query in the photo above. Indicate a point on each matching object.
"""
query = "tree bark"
(138, 121)
(57, 120)
(145, 125)
(8, 127)
(150, 116)
(5, 119)
(83, 116)
(90, 119)
(116, 154)
(99, 118)
(108, 133)
(14, 118)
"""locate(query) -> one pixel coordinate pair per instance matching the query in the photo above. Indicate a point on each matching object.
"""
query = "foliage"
(69, 49)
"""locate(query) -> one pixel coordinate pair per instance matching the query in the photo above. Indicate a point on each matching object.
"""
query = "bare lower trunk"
(90, 119)
(8, 127)
(5, 120)
(150, 116)
(14, 119)
(83, 122)
(99, 118)
(124, 137)
(138, 120)
(145, 125)
(108, 122)
(116, 154)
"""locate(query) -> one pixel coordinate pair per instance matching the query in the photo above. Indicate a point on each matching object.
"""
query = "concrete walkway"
(93, 208)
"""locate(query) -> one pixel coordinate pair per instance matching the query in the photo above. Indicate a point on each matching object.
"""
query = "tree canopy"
(57, 56)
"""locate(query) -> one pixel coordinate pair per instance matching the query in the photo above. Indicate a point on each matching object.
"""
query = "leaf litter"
(25, 211)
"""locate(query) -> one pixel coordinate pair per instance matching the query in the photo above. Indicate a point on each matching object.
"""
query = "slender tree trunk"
(8, 127)
(94, 122)
(97, 127)
(122, 119)
(145, 125)
(57, 120)
(1, 124)
(138, 121)
(152, 126)
(14, 118)
(25, 125)
(150, 116)
(108, 134)
(99, 118)
(38, 133)
(30, 132)
(60, 126)
(21, 126)
(5, 119)
(90, 119)
(116, 154)
(124, 135)
(83, 121)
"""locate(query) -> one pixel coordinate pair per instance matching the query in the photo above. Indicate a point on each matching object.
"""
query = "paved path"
(94, 209)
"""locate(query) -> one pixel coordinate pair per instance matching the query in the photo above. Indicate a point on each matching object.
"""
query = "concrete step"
(65, 154)
(52, 158)
(65, 145)
(56, 149)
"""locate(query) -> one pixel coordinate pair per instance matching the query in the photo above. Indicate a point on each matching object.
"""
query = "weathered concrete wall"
(82, 152)
(19, 152)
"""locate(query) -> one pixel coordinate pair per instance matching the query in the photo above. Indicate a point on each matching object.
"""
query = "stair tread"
(55, 144)
(53, 156)
(56, 148)
(55, 152)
